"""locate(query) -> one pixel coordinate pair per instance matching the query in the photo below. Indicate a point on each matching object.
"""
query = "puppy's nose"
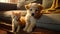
(32, 14)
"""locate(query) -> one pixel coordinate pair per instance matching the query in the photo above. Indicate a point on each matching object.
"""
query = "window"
(5, 1)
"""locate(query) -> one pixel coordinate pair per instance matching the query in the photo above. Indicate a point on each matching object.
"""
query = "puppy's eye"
(30, 9)
(36, 10)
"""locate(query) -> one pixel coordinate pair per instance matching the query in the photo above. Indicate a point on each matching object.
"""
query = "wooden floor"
(36, 31)
(3, 32)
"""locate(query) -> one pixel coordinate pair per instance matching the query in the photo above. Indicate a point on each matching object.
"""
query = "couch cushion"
(50, 18)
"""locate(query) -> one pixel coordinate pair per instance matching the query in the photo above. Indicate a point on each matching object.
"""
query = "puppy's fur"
(33, 14)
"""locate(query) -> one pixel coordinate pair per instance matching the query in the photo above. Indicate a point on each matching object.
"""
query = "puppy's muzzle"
(32, 14)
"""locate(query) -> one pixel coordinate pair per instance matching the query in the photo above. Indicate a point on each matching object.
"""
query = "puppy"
(33, 13)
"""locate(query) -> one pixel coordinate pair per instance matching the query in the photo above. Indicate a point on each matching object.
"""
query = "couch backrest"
(7, 6)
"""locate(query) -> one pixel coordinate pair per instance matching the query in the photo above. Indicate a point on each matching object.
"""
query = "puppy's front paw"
(24, 29)
(29, 30)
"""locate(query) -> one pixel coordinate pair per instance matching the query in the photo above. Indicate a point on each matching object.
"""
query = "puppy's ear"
(39, 14)
(27, 6)
(40, 7)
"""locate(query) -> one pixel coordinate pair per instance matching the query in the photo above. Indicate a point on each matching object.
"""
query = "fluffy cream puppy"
(33, 13)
